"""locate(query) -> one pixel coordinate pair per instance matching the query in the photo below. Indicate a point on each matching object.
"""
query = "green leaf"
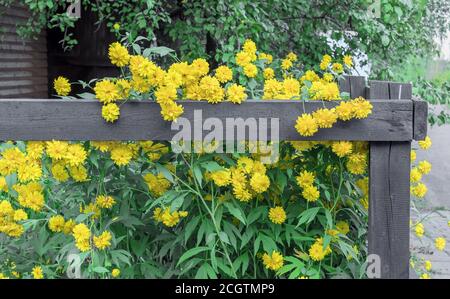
(236, 212)
(100, 270)
(161, 51)
(191, 252)
(307, 216)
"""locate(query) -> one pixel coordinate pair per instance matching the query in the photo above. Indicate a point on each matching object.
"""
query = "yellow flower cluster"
(157, 184)
(418, 188)
(168, 218)
(309, 124)
(248, 178)
(10, 219)
(305, 181)
(59, 224)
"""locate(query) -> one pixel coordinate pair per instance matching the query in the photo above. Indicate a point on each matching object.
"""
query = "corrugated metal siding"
(23, 64)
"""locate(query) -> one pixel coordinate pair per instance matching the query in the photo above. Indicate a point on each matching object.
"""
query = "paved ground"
(436, 206)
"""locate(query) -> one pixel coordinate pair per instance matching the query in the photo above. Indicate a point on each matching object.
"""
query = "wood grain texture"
(389, 192)
(23, 63)
(81, 120)
(420, 124)
(389, 206)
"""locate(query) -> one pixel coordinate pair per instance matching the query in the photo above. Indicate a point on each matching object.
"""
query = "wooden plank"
(400, 91)
(420, 123)
(344, 84)
(378, 90)
(81, 120)
(389, 194)
(357, 86)
(389, 206)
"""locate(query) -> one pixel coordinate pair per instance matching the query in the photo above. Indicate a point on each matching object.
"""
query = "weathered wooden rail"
(396, 120)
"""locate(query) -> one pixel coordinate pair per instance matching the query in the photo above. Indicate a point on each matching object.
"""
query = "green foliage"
(210, 28)
(438, 95)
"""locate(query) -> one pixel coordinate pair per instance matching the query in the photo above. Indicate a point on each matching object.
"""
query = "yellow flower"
(424, 167)
(110, 112)
(118, 54)
(419, 230)
(361, 108)
(286, 64)
(249, 46)
(78, 173)
(171, 111)
(419, 190)
(311, 193)
(56, 223)
(291, 88)
(317, 252)
(250, 70)
(343, 227)
(169, 219)
(348, 60)
(427, 265)
(103, 241)
(305, 178)
(29, 172)
(243, 58)
(115, 273)
(76, 154)
(292, 57)
(106, 91)
(37, 272)
(413, 156)
(56, 149)
(20, 215)
(68, 226)
(82, 236)
(415, 175)
(342, 148)
(116, 26)
(274, 261)
(121, 155)
(236, 93)
(326, 60)
(425, 276)
(259, 182)
(224, 74)
(269, 73)
(157, 184)
(221, 178)
(62, 86)
(440, 243)
(105, 202)
(3, 184)
(338, 68)
(277, 215)
(426, 143)
(306, 125)
(210, 90)
(325, 118)
(266, 56)
(345, 111)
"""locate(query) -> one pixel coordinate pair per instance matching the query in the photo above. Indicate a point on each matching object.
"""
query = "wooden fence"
(396, 120)
(23, 63)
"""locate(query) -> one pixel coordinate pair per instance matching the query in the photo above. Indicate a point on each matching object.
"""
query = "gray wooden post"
(389, 192)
